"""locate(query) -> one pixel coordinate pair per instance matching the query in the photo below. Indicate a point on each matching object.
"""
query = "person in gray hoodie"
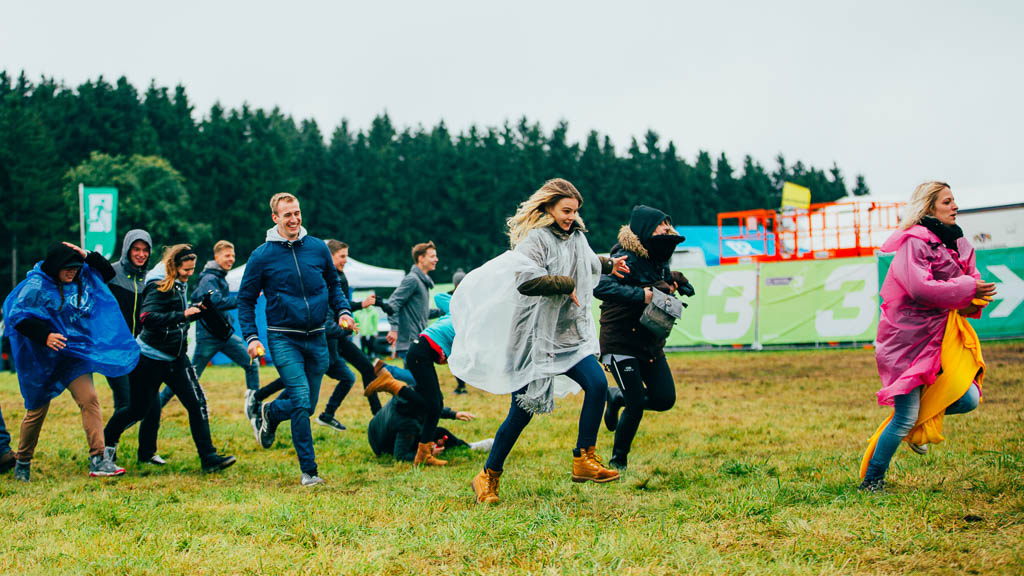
(213, 281)
(127, 287)
(410, 302)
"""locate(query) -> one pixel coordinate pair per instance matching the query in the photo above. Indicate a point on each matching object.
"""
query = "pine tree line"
(199, 178)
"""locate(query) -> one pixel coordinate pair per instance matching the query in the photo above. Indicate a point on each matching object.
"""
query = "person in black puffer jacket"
(163, 343)
(633, 354)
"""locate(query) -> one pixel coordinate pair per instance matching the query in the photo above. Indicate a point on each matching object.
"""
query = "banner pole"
(81, 215)
(756, 345)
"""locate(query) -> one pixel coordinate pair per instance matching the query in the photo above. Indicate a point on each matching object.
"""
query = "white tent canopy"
(359, 276)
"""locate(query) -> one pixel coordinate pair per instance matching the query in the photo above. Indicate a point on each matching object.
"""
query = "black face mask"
(947, 234)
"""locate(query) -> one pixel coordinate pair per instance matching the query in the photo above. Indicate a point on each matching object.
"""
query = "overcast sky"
(899, 91)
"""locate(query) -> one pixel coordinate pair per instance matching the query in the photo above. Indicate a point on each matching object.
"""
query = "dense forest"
(198, 177)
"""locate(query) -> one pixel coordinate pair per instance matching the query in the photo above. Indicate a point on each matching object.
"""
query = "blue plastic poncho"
(98, 340)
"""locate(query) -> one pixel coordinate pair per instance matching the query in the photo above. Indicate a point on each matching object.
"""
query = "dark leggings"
(146, 379)
(420, 361)
(589, 375)
(646, 385)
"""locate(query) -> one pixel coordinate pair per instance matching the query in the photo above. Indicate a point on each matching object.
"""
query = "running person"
(66, 327)
(635, 356)
(533, 303)
(295, 272)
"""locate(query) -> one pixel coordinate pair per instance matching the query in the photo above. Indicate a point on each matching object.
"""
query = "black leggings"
(645, 385)
(420, 361)
(146, 379)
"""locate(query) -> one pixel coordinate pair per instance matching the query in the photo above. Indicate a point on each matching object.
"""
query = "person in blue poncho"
(67, 325)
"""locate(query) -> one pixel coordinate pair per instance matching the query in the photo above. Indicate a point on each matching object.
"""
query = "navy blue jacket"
(299, 282)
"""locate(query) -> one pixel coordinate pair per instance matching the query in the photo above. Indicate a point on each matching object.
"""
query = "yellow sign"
(795, 195)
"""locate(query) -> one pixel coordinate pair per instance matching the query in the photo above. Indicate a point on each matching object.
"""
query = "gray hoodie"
(128, 284)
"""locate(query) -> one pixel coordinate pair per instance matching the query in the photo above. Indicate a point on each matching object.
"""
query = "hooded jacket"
(623, 303)
(130, 281)
(214, 279)
(299, 281)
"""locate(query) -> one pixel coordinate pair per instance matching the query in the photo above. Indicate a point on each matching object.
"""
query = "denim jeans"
(904, 417)
(5, 437)
(589, 375)
(301, 362)
(207, 347)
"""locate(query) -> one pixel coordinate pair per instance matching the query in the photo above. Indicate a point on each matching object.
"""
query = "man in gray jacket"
(410, 302)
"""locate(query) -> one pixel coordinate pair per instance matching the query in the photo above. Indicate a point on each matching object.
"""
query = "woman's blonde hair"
(172, 257)
(533, 213)
(922, 203)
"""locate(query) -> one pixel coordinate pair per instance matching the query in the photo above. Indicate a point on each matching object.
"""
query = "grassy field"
(753, 471)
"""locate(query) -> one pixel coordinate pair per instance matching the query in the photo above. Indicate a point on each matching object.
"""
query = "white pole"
(81, 214)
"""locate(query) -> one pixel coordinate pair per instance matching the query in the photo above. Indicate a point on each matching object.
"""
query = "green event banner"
(723, 310)
(1004, 317)
(817, 301)
(98, 208)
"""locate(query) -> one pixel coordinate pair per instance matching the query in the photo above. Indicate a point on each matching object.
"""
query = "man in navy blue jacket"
(296, 275)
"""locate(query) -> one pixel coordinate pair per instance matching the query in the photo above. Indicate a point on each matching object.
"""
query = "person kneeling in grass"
(67, 325)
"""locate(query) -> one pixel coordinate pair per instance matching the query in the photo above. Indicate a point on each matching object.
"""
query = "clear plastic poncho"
(505, 341)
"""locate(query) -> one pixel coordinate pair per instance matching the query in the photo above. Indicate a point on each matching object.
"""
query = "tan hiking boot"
(485, 486)
(425, 455)
(384, 382)
(587, 467)
(378, 366)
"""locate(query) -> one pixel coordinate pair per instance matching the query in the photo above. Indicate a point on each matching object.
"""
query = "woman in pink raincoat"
(932, 272)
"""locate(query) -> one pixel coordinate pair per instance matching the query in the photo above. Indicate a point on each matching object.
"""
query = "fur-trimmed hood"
(662, 246)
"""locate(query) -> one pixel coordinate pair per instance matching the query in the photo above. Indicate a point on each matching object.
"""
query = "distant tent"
(359, 276)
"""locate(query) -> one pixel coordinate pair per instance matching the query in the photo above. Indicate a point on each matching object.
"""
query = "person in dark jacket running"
(295, 272)
(213, 281)
(633, 354)
(163, 342)
(127, 287)
(65, 329)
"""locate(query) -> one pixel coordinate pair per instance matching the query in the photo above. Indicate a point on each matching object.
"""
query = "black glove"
(683, 285)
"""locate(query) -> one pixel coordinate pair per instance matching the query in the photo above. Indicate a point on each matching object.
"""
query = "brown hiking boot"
(485, 486)
(587, 466)
(384, 382)
(378, 366)
(425, 455)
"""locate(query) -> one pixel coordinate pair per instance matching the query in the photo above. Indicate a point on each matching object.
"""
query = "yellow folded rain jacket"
(962, 364)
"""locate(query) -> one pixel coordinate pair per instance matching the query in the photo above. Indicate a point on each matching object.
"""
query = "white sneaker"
(308, 480)
(482, 445)
(921, 449)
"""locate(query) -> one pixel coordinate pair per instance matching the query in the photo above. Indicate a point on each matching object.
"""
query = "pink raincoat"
(925, 281)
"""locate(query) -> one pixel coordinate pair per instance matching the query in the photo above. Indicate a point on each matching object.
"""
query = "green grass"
(753, 471)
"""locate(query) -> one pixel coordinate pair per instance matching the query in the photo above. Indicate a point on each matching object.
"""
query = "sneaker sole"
(326, 425)
(581, 479)
(106, 474)
(922, 450)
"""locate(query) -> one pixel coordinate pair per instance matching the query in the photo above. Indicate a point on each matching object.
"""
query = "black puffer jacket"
(164, 325)
(623, 298)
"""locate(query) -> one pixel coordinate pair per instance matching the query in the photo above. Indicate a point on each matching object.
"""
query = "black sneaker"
(217, 463)
(266, 432)
(614, 403)
(873, 486)
(252, 406)
(460, 390)
(618, 461)
(330, 422)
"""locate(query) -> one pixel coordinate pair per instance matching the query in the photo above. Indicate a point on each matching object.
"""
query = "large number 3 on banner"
(864, 300)
(741, 305)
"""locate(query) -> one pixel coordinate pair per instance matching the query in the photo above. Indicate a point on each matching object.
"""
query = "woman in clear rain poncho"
(929, 358)
(523, 319)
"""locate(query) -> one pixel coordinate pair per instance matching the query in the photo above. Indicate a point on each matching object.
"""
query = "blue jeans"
(301, 362)
(590, 376)
(207, 347)
(906, 409)
(5, 437)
